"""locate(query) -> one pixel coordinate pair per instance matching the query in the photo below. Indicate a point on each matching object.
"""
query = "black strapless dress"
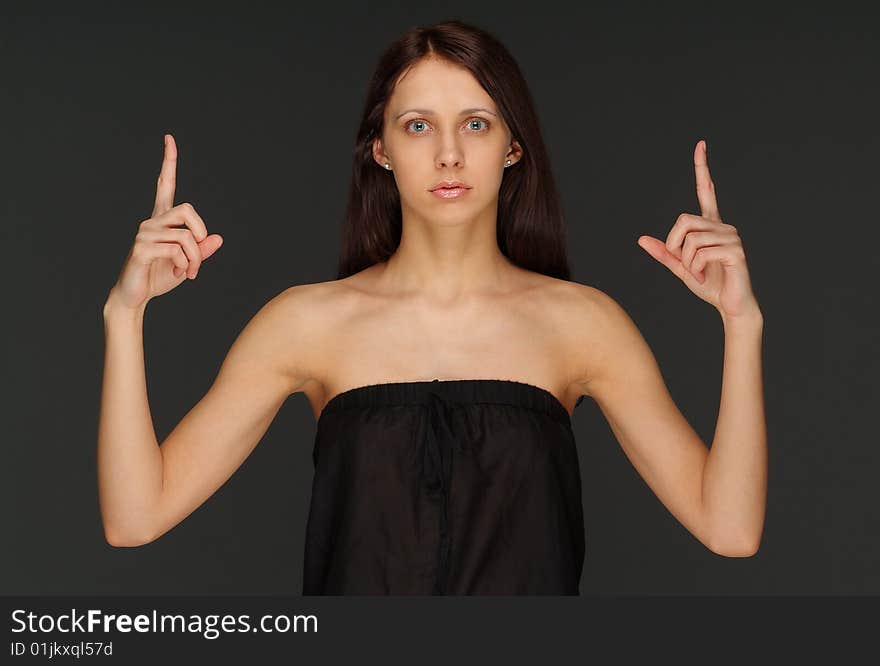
(465, 486)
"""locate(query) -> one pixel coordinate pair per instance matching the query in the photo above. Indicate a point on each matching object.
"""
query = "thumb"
(652, 246)
(657, 249)
(210, 245)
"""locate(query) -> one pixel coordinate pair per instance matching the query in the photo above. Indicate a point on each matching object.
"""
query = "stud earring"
(387, 166)
(507, 163)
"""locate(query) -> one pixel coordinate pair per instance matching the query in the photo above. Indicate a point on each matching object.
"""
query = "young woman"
(444, 363)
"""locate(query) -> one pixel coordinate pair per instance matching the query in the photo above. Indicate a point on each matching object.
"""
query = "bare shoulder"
(571, 306)
(290, 326)
(589, 304)
(296, 326)
(596, 330)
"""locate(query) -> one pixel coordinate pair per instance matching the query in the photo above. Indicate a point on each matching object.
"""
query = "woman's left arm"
(708, 256)
(735, 473)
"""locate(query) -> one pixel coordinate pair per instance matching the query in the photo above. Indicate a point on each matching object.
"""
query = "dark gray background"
(264, 104)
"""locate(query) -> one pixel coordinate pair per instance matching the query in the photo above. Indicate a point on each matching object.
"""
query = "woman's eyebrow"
(429, 112)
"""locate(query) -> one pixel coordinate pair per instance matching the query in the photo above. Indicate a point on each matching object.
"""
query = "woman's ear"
(514, 154)
(379, 153)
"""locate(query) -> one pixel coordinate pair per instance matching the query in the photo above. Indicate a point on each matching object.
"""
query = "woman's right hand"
(164, 255)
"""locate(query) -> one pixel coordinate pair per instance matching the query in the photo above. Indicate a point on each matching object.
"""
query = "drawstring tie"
(440, 444)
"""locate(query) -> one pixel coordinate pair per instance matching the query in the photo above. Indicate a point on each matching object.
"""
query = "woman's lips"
(450, 192)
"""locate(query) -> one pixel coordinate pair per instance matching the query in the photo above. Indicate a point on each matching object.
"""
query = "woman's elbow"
(736, 550)
(121, 540)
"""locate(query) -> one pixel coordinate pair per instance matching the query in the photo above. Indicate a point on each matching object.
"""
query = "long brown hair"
(530, 228)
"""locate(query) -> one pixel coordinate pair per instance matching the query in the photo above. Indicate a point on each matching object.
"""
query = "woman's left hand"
(706, 253)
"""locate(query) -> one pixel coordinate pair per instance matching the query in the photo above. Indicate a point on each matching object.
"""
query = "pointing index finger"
(167, 178)
(705, 186)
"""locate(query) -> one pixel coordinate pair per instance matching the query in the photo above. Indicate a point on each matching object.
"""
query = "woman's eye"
(419, 125)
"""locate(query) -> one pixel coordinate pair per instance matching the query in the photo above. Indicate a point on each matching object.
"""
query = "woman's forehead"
(439, 86)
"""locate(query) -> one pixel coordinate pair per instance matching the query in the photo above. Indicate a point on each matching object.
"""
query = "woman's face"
(440, 124)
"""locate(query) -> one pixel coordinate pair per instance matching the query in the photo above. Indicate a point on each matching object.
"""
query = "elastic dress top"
(459, 487)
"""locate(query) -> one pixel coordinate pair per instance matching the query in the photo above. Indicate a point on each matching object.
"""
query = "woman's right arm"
(129, 460)
(145, 489)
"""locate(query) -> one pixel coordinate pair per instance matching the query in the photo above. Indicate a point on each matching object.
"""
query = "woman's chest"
(526, 341)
